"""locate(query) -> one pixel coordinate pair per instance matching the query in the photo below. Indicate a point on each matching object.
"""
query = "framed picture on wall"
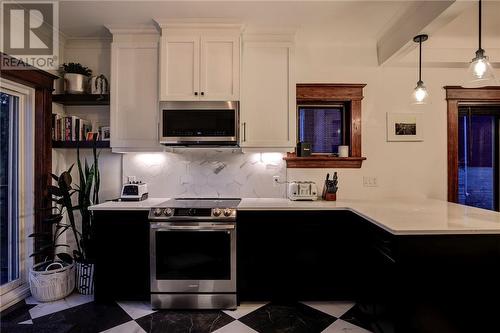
(405, 127)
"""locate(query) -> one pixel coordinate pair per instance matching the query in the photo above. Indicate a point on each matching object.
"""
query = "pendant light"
(420, 94)
(480, 73)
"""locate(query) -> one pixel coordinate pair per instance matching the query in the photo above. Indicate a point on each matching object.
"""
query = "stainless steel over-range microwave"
(199, 123)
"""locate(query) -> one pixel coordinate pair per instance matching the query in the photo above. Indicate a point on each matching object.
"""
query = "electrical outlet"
(276, 180)
(370, 181)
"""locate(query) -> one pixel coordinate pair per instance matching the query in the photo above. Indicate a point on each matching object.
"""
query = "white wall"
(412, 169)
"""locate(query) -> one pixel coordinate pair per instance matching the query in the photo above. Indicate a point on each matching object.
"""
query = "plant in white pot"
(76, 77)
(54, 278)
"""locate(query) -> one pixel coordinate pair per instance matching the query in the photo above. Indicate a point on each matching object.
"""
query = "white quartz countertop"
(129, 205)
(397, 216)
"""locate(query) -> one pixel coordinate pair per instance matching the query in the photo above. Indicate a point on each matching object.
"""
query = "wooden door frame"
(43, 83)
(455, 97)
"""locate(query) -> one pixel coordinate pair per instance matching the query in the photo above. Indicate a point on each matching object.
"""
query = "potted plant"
(88, 194)
(75, 77)
(54, 278)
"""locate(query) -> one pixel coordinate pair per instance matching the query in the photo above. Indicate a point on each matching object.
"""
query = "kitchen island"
(417, 264)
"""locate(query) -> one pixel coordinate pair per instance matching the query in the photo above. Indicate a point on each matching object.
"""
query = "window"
(323, 126)
(9, 231)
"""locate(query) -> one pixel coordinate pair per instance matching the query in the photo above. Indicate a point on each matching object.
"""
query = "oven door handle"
(218, 227)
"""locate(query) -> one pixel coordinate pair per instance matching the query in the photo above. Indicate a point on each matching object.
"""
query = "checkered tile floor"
(78, 313)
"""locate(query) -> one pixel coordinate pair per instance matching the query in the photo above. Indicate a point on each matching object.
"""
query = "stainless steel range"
(193, 253)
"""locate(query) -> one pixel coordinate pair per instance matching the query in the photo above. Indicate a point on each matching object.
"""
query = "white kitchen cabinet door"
(134, 95)
(220, 68)
(180, 68)
(268, 95)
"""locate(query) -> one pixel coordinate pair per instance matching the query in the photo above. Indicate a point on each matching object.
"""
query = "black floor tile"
(184, 321)
(55, 327)
(16, 313)
(89, 318)
(290, 318)
(359, 315)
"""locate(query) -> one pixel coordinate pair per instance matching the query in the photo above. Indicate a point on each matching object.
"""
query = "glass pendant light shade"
(420, 94)
(480, 73)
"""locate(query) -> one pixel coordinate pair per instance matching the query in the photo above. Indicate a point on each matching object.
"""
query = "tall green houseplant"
(88, 195)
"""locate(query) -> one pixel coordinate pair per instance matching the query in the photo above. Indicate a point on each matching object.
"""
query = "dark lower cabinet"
(433, 283)
(310, 255)
(122, 264)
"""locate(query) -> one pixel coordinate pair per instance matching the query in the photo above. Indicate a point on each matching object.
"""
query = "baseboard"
(14, 296)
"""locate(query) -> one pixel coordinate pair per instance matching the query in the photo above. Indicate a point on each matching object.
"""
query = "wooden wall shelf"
(80, 99)
(81, 144)
(322, 161)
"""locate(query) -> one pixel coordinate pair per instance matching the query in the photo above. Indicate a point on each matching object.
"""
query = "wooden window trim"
(324, 93)
(457, 96)
(42, 82)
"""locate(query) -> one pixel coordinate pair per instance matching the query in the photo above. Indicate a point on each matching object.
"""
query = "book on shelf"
(70, 128)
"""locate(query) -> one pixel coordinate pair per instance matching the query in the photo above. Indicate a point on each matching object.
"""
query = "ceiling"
(345, 19)
(451, 40)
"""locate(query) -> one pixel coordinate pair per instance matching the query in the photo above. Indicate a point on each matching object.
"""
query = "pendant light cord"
(480, 21)
(420, 61)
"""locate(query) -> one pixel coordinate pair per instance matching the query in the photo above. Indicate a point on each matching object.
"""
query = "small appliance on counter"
(303, 149)
(302, 190)
(134, 190)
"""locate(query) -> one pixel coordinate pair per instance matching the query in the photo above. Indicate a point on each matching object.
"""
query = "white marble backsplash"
(208, 173)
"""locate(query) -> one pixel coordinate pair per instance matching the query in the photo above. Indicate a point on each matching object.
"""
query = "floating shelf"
(80, 99)
(322, 161)
(81, 144)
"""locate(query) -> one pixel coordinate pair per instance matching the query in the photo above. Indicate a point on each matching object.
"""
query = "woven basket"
(47, 286)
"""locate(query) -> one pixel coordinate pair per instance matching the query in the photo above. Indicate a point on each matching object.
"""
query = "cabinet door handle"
(196, 93)
(202, 93)
(244, 132)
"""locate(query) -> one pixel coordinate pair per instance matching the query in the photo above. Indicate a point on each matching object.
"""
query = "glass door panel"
(478, 145)
(9, 217)
(193, 255)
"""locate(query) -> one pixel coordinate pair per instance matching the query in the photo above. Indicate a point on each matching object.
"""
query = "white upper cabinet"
(200, 63)
(181, 60)
(220, 68)
(268, 106)
(134, 91)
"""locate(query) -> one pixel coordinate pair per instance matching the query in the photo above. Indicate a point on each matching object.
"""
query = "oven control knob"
(228, 212)
(168, 211)
(157, 212)
(216, 212)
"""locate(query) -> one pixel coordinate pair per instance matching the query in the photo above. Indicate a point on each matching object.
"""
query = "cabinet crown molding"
(132, 30)
(198, 24)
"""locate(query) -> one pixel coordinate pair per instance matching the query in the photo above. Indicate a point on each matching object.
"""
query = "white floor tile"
(340, 326)
(76, 299)
(128, 327)
(31, 300)
(136, 309)
(43, 309)
(335, 309)
(235, 327)
(27, 322)
(243, 309)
